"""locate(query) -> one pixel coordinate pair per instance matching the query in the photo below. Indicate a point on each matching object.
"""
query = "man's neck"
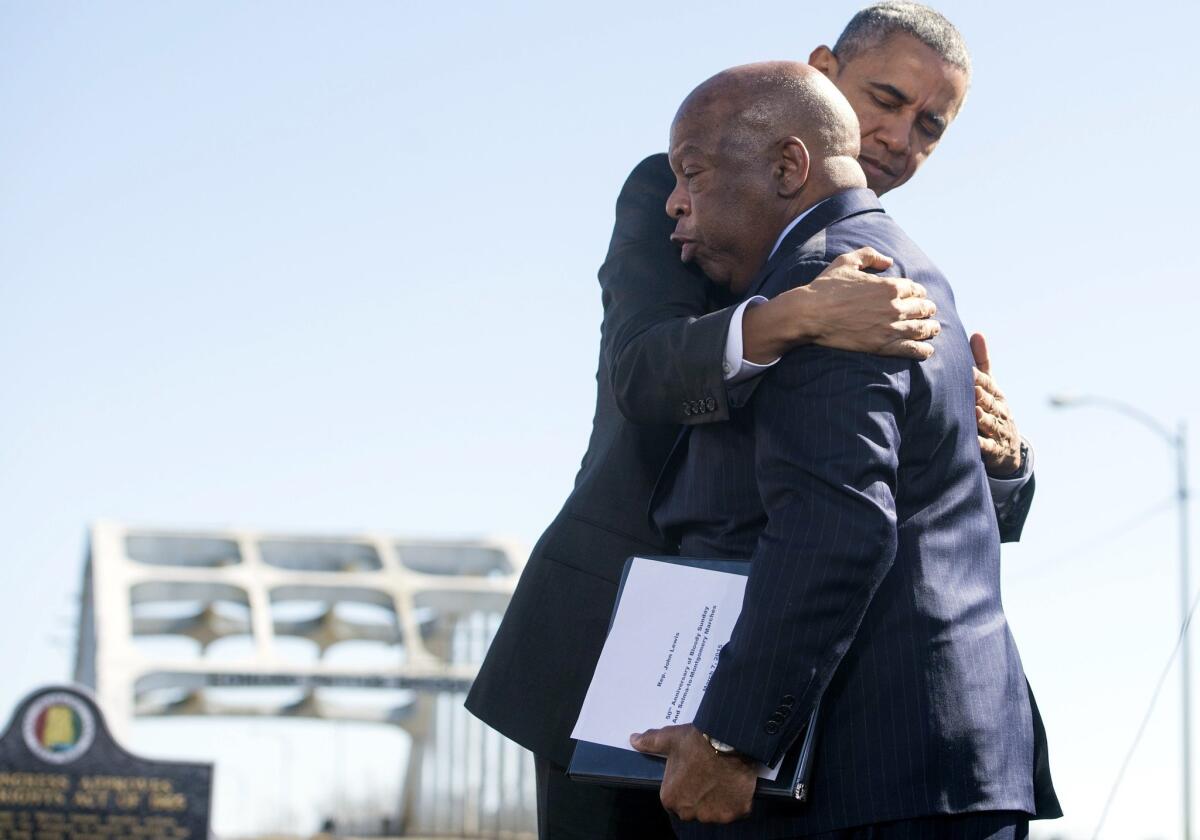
(805, 208)
(819, 188)
(835, 175)
(790, 226)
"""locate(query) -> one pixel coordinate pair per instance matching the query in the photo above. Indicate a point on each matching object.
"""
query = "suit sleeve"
(1012, 514)
(664, 348)
(827, 441)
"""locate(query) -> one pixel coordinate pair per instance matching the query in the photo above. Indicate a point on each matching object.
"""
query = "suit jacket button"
(687, 410)
(788, 700)
(710, 404)
(771, 728)
(778, 717)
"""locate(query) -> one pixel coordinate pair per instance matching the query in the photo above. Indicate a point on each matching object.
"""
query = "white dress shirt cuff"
(736, 368)
(1004, 489)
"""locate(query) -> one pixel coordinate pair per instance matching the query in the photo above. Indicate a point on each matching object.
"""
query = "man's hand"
(998, 438)
(698, 784)
(848, 309)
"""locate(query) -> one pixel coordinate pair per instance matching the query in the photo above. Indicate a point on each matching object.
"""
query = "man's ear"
(823, 59)
(791, 167)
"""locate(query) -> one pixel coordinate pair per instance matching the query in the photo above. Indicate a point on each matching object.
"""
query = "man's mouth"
(687, 246)
(875, 168)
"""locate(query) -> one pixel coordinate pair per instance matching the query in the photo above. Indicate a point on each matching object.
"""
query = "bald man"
(854, 485)
(674, 349)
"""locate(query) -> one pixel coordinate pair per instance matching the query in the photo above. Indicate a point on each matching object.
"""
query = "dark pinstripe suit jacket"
(854, 483)
(661, 347)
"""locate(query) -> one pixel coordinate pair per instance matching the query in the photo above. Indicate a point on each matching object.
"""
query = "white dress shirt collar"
(791, 226)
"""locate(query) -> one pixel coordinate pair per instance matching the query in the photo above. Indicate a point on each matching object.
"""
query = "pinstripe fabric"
(988, 825)
(854, 482)
(659, 352)
(981, 825)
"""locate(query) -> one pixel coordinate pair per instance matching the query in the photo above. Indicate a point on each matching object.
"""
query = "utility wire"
(1118, 530)
(1122, 528)
(1162, 679)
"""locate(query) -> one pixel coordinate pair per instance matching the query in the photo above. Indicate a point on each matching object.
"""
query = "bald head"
(755, 106)
(752, 148)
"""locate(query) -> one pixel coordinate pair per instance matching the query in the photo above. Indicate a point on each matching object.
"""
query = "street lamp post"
(1177, 440)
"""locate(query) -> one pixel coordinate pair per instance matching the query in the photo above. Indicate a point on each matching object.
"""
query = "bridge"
(157, 603)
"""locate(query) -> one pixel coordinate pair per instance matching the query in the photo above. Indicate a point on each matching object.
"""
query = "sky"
(325, 267)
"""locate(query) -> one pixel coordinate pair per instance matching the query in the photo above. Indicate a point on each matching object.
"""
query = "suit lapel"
(806, 240)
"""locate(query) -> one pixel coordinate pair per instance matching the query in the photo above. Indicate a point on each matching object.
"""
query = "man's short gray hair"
(875, 24)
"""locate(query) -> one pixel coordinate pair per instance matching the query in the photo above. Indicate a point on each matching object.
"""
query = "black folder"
(626, 768)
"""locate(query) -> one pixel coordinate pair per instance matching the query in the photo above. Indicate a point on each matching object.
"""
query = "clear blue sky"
(332, 266)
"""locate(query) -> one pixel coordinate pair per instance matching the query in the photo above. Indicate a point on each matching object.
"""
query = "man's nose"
(894, 135)
(677, 203)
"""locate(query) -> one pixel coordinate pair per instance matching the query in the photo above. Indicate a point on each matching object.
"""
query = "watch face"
(719, 746)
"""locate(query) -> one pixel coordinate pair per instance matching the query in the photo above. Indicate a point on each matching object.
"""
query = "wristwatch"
(720, 747)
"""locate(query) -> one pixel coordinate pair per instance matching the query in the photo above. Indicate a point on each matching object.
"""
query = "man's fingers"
(902, 288)
(982, 380)
(990, 448)
(917, 330)
(866, 258)
(907, 349)
(989, 426)
(993, 403)
(986, 383)
(985, 400)
(656, 741)
(985, 424)
(979, 350)
(683, 812)
(914, 308)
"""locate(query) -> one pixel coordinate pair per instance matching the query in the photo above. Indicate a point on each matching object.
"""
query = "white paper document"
(669, 628)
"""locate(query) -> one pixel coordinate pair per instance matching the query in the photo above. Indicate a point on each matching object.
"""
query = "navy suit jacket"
(661, 346)
(854, 484)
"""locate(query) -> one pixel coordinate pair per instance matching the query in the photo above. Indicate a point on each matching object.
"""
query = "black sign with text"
(63, 777)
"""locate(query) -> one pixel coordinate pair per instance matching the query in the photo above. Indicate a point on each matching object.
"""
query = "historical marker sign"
(63, 777)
